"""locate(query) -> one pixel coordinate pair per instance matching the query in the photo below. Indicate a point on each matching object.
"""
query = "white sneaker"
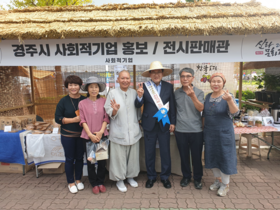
(132, 182)
(72, 189)
(216, 185)
(223, 190)
(80, 186)
(121, 187)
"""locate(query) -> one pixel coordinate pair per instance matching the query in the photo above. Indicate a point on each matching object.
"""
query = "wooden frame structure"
(137, 20)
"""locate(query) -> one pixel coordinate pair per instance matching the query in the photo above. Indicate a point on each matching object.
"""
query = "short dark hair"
(73, 79)
(86, 89)
(188, 70)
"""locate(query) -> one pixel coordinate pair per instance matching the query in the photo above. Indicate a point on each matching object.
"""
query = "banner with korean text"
(140, 50)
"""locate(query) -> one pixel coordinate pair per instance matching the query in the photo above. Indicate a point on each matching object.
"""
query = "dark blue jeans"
(185, 143)
(74, 154)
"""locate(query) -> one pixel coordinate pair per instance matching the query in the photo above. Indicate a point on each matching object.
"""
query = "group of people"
(186, 113)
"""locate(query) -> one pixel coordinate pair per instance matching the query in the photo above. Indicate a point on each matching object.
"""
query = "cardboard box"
(15, 168)
(53, 168)
(102, 155)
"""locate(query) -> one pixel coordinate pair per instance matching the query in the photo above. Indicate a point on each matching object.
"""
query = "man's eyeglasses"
(187, 77)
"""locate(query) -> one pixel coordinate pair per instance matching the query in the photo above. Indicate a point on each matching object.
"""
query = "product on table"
(47, 132)
(250, 112)
(251, 122)
(18, 122)
(23, 121)
(8, 122)
(31, 118)
(2, 123)
(37, 132)
(258, 123)
(239, 124)
(30, 127)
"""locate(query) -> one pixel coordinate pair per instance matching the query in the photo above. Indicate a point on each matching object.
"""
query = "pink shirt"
(93, 113)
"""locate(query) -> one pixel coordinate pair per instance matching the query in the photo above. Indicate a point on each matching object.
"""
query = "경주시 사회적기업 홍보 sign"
(140, 50)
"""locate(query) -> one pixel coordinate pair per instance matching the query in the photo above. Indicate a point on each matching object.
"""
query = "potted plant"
(258, 123)
(258, 94)
(272, 87)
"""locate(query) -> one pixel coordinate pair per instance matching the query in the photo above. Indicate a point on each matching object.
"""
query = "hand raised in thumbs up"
(140, 90)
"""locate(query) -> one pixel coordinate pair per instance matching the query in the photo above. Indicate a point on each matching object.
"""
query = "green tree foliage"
(247, 94)
(20, 4)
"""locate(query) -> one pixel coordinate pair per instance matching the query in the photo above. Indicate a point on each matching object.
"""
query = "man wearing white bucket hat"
(158, 120)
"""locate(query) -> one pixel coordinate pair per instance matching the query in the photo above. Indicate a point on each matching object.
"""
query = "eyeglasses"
(187, 77)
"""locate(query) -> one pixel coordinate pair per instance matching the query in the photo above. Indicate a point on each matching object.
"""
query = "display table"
(53, 150)
(254, 129)
(12, 148)
(251, 132)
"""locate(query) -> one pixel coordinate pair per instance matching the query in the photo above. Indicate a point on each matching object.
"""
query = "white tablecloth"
(277, 127)
(21, 136)
(53, 149)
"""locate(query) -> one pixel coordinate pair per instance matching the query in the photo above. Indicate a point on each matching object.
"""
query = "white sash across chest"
(162, 113)
(155, 96)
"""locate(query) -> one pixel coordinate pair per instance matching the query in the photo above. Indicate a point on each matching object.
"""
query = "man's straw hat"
(155, 66)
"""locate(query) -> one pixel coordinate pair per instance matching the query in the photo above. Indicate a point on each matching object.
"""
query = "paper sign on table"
(8, 128)
(55, 130)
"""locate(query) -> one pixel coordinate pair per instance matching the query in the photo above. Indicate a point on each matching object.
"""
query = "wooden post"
(59, 81)
(134, 77)
(173, 75)
(32, 89)
(240, 83)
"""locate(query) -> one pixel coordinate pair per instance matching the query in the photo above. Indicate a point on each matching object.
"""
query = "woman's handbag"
(98, 151)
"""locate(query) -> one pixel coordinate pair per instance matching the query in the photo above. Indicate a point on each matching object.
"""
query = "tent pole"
(134, 77)
(32, 89)
(240, 83)
(59, 81)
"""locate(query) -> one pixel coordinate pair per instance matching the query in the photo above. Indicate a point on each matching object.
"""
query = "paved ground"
(256, 186)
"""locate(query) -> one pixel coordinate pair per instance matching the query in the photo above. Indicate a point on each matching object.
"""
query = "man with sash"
(158, 120)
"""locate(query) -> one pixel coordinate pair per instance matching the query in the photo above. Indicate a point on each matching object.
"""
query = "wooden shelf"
(16, 107)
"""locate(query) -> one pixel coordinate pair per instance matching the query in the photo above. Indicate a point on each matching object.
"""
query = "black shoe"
(150, 183)
(185, 182)
(166, 183)
(197, 185)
